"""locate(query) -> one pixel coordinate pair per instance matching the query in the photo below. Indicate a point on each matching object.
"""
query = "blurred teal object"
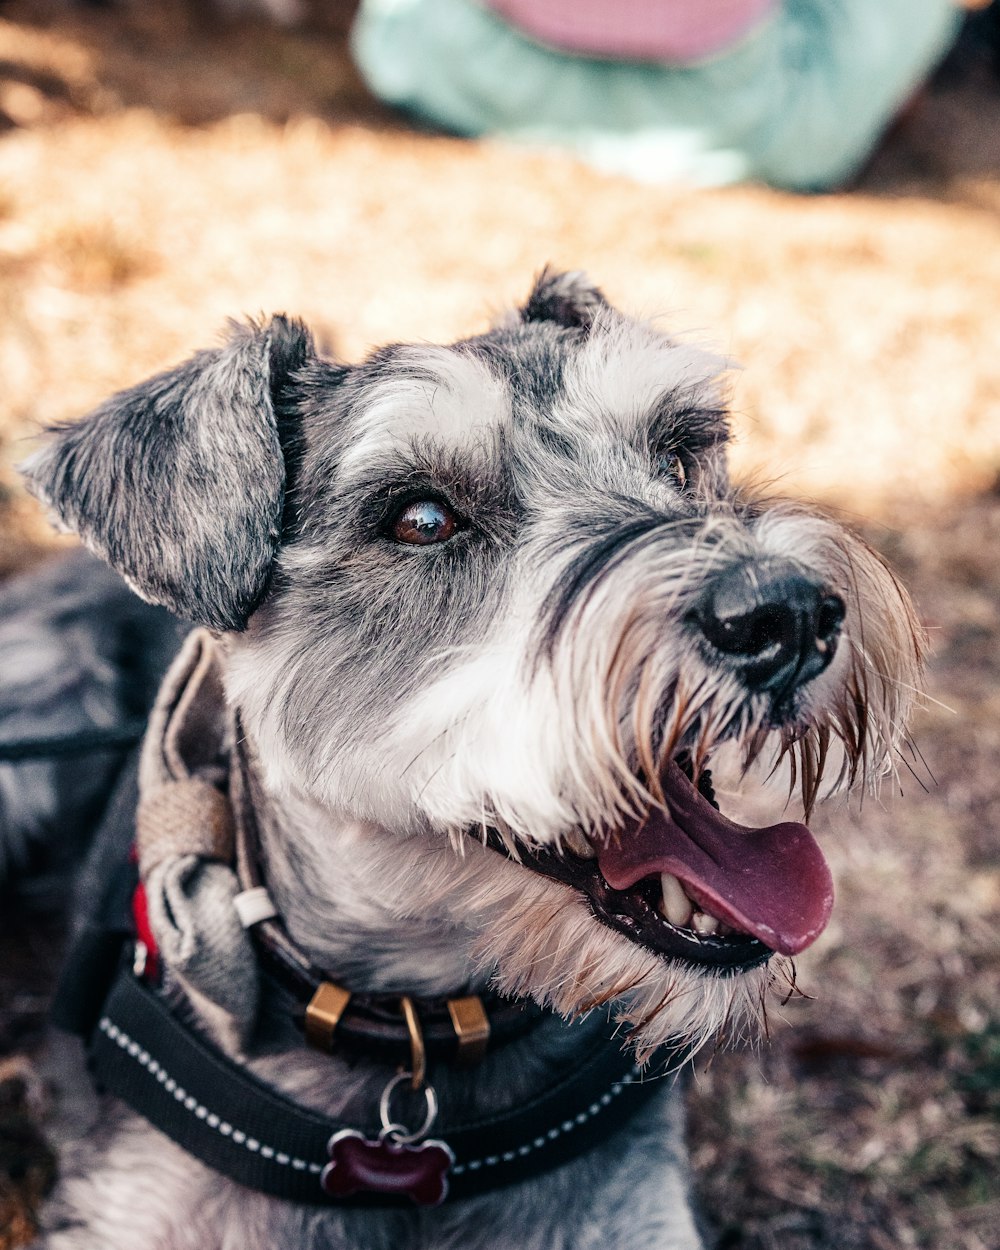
(798, 102)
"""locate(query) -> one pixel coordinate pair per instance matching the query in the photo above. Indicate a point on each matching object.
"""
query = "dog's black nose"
(774, 625)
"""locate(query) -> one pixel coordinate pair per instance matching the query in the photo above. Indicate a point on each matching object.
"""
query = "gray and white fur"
(526, 672)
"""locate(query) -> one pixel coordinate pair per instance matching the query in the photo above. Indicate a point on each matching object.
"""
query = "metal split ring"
(392, 1128)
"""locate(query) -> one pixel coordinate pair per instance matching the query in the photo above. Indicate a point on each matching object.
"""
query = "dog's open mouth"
(689, 883)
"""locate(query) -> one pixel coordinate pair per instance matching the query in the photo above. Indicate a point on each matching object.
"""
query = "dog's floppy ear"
(179, 483)
(569, 299)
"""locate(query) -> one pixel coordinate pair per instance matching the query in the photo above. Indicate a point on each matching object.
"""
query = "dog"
(473, 624)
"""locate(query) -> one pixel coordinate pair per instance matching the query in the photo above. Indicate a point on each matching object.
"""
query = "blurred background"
(164, 166)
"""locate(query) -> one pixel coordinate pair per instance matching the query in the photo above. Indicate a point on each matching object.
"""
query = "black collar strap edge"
(224, 1116)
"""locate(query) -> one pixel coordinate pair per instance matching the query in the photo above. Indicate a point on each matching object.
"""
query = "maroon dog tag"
(360, 1165)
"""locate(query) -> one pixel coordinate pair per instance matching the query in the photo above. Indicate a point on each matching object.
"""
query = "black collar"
(220, 1113)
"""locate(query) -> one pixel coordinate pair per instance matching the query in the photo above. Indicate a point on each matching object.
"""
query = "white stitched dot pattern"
(559, 1130)
(190, 1103)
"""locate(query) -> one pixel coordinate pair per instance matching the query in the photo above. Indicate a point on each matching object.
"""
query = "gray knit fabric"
(186, 842)
(199, 934)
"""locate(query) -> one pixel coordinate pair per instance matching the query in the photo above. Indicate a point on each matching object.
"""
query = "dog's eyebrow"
(423, 393)
(685, 423)
(628, 379)
(428, 462)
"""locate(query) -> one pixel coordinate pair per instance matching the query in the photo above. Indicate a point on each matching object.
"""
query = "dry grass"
(158, 175)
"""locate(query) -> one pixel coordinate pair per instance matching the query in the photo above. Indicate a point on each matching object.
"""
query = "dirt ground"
(160, 172)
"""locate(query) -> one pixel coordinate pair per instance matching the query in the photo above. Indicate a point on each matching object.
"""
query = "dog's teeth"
(704, 924)
(577, 843)
(675, 906)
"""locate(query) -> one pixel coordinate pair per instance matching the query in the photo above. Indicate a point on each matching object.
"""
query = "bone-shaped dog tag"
(384, 1166)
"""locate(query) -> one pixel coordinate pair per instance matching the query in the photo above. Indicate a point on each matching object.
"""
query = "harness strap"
(234, 1123)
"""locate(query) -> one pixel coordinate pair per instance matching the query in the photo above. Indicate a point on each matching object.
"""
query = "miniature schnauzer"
(474, 621)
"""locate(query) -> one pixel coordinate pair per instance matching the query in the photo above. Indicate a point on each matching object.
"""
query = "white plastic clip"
(253, 906)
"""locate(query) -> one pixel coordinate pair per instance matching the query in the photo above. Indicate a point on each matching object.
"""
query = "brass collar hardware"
(418, 1052)
(472, 1027)
(323, 1014)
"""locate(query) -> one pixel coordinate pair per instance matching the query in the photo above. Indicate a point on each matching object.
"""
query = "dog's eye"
(424, 521)
(671, 465)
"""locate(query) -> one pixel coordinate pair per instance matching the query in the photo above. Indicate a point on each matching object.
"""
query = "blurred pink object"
(678, 31)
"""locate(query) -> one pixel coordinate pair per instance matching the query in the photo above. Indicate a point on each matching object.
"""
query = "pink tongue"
(773, 882)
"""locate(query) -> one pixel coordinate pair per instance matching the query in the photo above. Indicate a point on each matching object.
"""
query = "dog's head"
(505, 588)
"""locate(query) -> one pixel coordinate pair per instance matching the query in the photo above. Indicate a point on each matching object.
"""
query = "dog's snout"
(775, 626)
